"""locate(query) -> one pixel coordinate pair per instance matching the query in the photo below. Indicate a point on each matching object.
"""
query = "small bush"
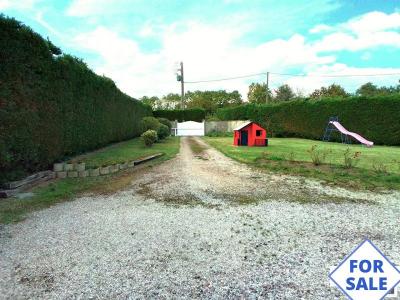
(163, 131)
(166, 122)
(318, 156)
(351, 160)
(379, 167)
(149, 137)
(150, 123)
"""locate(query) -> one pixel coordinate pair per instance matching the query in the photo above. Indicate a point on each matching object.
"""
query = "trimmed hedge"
(54, 106)
(193, 114)
(377, 119)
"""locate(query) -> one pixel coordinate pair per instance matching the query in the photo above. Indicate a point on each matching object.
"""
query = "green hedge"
(54, 106)
(193, 114)
(377, 119)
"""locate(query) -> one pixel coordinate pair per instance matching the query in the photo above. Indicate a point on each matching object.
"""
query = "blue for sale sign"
(366, 274)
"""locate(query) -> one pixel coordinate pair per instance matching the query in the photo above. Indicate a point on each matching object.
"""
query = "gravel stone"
(196, 228)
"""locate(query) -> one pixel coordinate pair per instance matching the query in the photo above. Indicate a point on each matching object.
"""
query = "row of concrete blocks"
(67, 167)
(95, 172)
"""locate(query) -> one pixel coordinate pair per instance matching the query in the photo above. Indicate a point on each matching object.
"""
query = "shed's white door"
(190, 128)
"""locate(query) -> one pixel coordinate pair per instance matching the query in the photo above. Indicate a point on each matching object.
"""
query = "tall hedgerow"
(52, 105)
(193, 114)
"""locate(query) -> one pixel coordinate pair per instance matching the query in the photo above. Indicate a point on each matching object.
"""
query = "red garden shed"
(250, 134)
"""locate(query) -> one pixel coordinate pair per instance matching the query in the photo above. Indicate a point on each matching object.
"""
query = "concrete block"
(68, 167)
(94, 172)
(83, 173)
(123, 166)
(114, 168)
(72, 174)
(58, 167)
(79, 167)
(104, 170)
(61, 174)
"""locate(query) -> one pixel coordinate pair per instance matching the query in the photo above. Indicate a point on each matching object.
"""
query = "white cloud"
(374, 22)
(369, 30)
(85, 8)
(211, 52)
(320, 28)
(19, 4)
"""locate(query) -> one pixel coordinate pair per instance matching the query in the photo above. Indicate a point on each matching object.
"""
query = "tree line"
(258, 93)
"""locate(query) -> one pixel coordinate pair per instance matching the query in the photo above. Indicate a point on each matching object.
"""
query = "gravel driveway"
(196, 227)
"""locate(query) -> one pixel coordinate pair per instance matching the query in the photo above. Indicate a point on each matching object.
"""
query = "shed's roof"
(243, 125)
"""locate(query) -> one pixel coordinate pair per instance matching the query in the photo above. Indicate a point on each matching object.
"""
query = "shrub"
(166, 122)
(53, 106)
(318, 156)
(351, 160)
(163, 131)
(150, 123)
(193, 114)
(375, 118)
(149, 137)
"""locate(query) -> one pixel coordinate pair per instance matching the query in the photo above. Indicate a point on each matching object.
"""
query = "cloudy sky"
(138, 43)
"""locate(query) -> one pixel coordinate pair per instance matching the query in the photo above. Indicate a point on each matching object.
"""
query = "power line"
(336, 75)
(294, 75)
(228, 78)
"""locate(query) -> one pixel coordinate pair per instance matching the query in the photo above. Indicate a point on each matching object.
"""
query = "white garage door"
(190, 128)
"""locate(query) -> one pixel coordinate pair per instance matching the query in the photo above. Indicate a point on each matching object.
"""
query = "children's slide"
(354, 135)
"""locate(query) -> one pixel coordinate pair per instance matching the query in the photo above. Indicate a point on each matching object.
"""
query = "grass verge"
(376, 167)
(196, 147)
(127, 151)
(14, 209)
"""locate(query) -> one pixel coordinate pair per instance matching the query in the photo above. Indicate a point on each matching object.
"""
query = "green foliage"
(258, 93)
(374, 118)
(166, 122)
(163, 131)
(212, 100)
(194, 114)
(284, 93)
(371, 90)
(351, 160)
(150, 123)
(332, 91)
(317, 155)
(54, 106)
(149, 137)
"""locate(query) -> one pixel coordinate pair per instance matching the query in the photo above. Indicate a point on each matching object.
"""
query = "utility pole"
(267, 94)
(182, 80)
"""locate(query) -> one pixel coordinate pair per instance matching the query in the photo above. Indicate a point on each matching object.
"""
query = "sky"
(139, 43)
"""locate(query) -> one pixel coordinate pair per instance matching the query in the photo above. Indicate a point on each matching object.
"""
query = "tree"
(211, 100)
(367, 90)
(153, 102)
(334, 90)
(171, 101)
(259, 93)
(284, 93)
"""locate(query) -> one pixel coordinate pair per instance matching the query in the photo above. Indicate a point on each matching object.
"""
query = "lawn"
(378, 166)
(14, 209)
(127, 151)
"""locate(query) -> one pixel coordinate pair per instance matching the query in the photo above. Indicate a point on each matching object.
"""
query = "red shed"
(250, 134)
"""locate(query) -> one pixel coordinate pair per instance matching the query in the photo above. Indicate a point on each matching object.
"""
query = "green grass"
(14, 209)
(196, 147)
(127, 151)
(378, 166)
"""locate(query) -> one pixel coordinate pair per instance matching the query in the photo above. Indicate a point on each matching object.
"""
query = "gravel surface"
(196, 227)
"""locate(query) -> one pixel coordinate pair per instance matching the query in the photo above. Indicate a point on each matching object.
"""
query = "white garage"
(189, 128)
